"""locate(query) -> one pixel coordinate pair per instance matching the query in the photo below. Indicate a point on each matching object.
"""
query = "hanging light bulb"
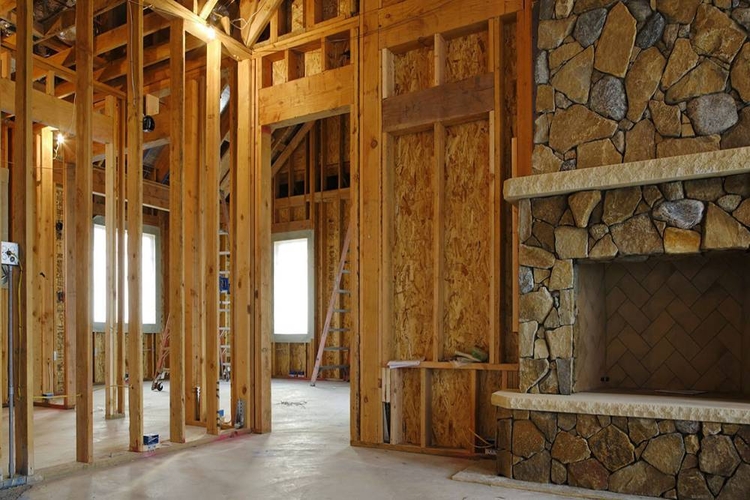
(210, 33)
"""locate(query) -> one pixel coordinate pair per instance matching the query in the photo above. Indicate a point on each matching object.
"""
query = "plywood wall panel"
(467, 238)
(413, 70)
(410, 412)
(413, 266)
(451, 408)
(466, 56)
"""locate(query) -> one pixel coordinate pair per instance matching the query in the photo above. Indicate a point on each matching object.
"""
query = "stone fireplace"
(668, 309)
(634, 329)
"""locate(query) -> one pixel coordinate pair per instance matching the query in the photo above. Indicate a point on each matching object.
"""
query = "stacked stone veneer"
(621, 81)
(562, 349)
(658, 458)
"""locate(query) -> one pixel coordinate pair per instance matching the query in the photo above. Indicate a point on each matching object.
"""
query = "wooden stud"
(439, 55)
(211, 232)
(497, 142)
(110, 222)
(263, 275)
(396, 383)
(370, 355)
(439, 242)
(135, 224)
(84, 237)
(313, 12)
(425, 383)
(524, 87)
(176, 234)
(23, 168)
(354, 255)
(120, 368)
(242, 240)
(192, 259)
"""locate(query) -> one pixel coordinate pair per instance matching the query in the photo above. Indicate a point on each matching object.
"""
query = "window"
(151, 272)
(293, 286)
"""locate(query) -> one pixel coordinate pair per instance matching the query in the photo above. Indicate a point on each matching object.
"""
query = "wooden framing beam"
(120, 138)
(23, 159)
(135, 223)
(291, 147)
(53, 112)
(68, 18)
(199, 28)
(176, 235)
(311, 98)
(207, 8)
(211, 232)
(263, 14)
(84, 233)
(462, 100)
(242, 220)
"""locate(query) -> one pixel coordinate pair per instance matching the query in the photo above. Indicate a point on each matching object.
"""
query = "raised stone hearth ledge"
(676, 168)
(669, 407)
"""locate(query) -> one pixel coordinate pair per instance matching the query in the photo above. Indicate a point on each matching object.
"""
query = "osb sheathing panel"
(489, 382)
(332, 140)
(99, 358)
(279, 72)
(466, 56)
(313, 62)
(413, 262)
(467, 238)
(451, 408)
(413, 70)
(298, 358)
(297, 15)
(284, 215)
(330, 9)
(410, 398)
(282, 363)
(59, 374)
(299, 214)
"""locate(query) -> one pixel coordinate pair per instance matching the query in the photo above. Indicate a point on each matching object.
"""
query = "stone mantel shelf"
(676, 168)
(669, 407)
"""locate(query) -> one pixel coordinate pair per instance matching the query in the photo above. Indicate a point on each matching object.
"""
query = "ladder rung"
(342, 310)
(223, 272)
(345, 271)
(336, 349)
(224, 310)
(224, 302)
(345, 292)
(224, 252)
(338, 329)
(333, 367)
(223, 328)
(223, 233)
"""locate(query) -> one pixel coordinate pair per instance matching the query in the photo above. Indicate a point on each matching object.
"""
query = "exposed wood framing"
(84, 237)
(135, 223)
(197, 26)
(266, 9)
(110, 223)
(176, 234)
(24, 171)
(241, 234)
(327, 94)
(289, 149)
(211, 232)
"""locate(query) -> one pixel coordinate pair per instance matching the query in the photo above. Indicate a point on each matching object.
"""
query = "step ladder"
(160, 372)
(334, 308)
(225, 347)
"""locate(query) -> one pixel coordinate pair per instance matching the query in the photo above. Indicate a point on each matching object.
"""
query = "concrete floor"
(306, 456)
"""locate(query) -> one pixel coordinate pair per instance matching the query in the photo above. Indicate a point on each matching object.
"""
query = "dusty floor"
(306, 456)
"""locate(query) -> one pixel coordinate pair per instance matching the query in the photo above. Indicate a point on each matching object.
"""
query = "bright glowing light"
(210, 33)
(60, 139)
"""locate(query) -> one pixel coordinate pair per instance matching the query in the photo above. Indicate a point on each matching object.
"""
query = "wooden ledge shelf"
(676, 168)
(702, 408)
(450, 365)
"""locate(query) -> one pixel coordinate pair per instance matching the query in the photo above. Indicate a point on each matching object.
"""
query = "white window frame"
(295, 235)
(147, 327)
